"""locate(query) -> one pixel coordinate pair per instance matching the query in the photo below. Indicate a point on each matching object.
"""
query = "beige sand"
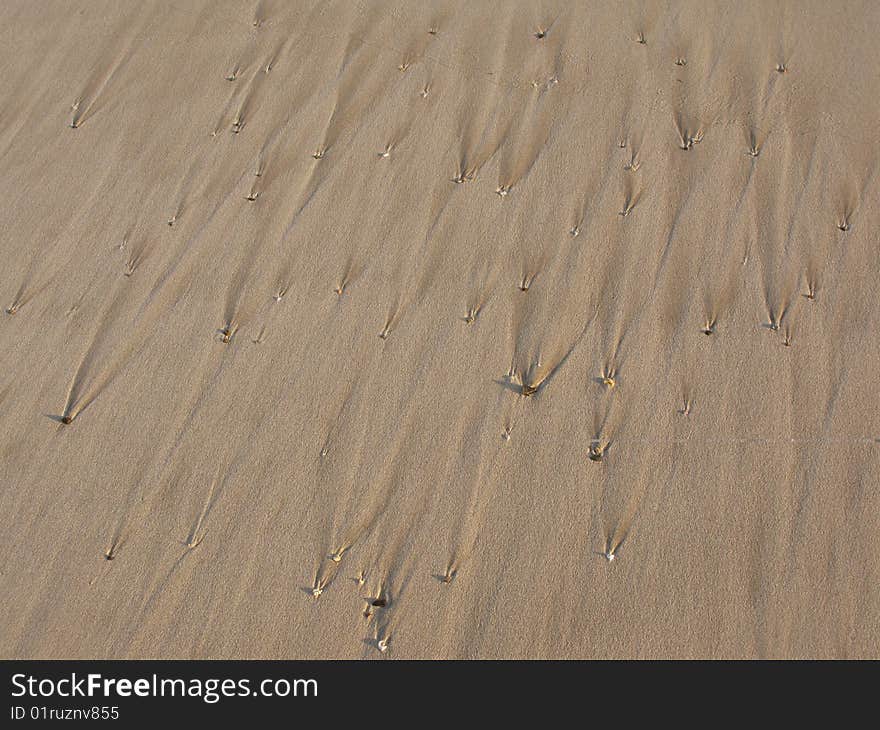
(366, 417)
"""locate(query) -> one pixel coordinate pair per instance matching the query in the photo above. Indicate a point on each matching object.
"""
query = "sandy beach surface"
(353, 329)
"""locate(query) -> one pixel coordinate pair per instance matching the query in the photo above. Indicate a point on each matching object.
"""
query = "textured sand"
(368, 404)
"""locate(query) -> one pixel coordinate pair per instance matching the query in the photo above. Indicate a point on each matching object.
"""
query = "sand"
(439, 306)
